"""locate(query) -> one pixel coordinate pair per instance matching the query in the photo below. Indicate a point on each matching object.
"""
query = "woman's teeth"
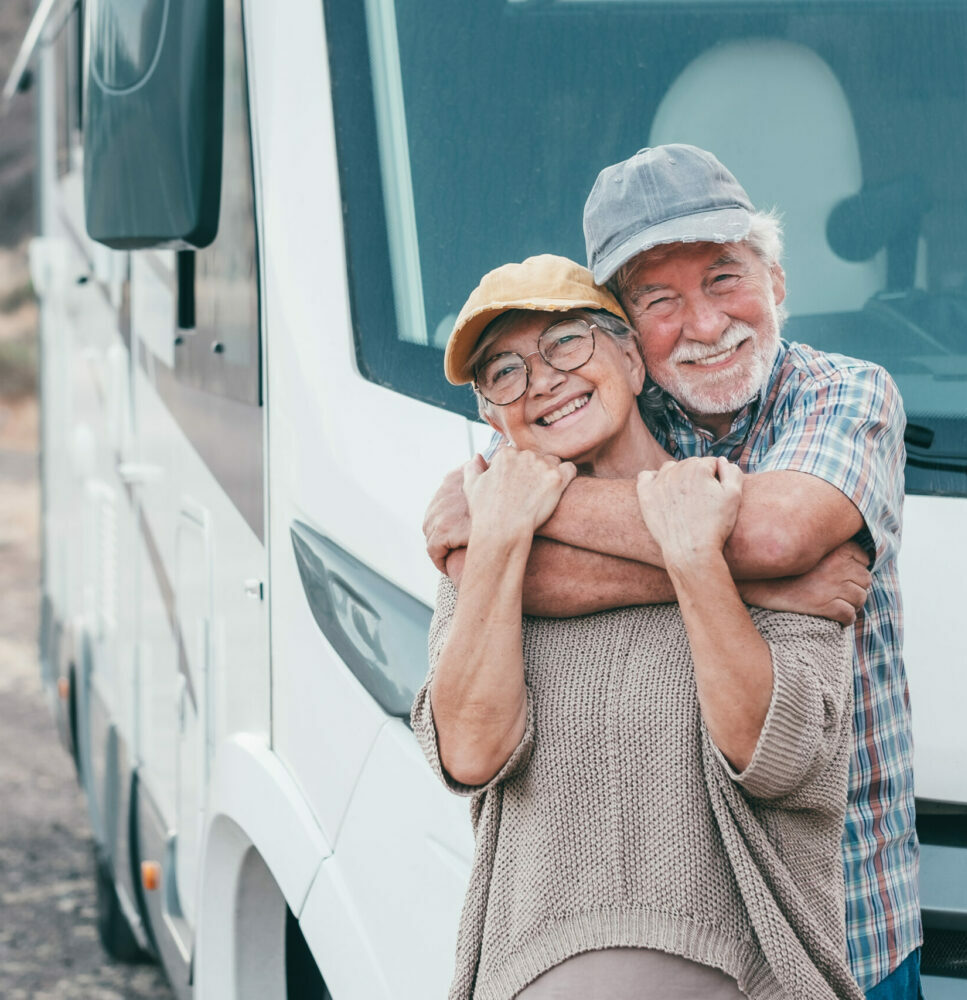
(575, 404)
(714, 359)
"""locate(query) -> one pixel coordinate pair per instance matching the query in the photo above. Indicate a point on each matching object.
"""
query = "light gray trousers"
(631, 974)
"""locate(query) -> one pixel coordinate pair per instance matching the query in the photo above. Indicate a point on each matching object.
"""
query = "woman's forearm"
(478, 695)
(733, 665)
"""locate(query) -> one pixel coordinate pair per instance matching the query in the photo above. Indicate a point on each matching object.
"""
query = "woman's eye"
(502, 373)
(564, 340)
(659, 303)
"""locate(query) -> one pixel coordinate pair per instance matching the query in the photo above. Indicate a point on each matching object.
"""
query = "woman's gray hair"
(764, 239)
(652, 398)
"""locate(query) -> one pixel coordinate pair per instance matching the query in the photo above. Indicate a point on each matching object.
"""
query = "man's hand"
(835, 588)
(446, 524)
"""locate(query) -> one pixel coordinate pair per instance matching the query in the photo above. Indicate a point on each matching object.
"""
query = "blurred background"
(48, 937)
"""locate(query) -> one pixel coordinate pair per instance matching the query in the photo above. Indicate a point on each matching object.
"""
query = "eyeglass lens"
(565, 346)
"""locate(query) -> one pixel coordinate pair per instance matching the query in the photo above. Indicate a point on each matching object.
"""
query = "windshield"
(481, 128)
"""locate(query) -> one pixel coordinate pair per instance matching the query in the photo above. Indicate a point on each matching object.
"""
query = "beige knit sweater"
(616, 821)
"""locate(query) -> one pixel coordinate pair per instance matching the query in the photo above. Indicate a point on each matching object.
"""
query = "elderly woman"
(657, 792)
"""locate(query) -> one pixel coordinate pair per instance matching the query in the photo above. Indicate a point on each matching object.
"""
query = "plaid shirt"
(842, 420)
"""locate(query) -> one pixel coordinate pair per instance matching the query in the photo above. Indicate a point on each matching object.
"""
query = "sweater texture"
(616, 822)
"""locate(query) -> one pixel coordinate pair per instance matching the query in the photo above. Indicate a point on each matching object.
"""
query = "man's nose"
(704, 320)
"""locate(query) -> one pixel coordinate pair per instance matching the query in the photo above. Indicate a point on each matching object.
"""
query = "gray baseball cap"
(664, 194)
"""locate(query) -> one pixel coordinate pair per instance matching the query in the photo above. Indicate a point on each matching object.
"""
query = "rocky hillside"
(18, 312)
(16, 133)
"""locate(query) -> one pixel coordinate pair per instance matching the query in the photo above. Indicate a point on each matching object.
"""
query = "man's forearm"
(787, 522)
(602, 515)
(562, 581)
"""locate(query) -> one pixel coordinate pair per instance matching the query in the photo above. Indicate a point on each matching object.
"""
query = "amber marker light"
(150, 875)
(64, 688)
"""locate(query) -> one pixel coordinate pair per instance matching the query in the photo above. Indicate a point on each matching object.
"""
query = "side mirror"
(153, 122)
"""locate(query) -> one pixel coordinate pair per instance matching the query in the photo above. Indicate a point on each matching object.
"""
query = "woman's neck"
(632, 452)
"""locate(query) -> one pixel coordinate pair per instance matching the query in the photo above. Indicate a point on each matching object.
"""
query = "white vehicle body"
(218, 706)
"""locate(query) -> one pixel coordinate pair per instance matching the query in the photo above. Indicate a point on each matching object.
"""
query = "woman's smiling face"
(581, 416)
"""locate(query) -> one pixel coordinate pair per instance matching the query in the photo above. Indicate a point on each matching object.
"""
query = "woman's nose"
(544, 378)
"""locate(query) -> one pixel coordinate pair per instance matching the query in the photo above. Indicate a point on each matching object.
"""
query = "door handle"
(378, 630)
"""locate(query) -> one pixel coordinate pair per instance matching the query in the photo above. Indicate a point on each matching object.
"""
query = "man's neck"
(717, 424)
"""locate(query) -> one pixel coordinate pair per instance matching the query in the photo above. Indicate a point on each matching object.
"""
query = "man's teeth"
(713, 359)
(575, 404)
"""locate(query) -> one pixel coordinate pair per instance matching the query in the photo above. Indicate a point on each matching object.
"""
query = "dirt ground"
(48, 940)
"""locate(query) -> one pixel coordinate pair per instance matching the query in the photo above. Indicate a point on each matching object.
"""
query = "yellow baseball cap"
(546, 283)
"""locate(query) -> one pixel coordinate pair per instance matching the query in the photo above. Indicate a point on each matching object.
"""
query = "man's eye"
(724, 279)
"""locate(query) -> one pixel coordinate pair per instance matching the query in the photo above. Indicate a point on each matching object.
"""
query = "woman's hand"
(517, 493)
(690, 507)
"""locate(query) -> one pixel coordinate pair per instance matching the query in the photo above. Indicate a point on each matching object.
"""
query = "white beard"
(723, 392)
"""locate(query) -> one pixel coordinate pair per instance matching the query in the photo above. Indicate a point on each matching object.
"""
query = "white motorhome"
(257, 222)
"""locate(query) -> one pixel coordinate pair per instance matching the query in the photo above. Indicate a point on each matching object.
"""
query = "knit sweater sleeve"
(810, 716)
(421, 715)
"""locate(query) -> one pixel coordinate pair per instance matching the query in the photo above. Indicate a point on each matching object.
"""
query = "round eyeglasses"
(503, 378)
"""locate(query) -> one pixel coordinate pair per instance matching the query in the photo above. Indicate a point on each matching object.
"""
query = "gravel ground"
(48, 940)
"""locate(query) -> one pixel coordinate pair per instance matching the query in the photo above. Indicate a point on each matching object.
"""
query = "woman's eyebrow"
(487, 358)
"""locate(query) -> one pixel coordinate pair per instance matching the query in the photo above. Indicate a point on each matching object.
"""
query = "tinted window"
(479, 129)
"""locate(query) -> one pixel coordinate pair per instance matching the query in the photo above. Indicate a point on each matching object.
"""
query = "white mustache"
(733, 336)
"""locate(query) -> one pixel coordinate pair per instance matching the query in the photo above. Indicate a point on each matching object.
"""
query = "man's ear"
(778, 283)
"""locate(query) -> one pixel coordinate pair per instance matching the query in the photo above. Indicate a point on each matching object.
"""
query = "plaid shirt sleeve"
(846, 427)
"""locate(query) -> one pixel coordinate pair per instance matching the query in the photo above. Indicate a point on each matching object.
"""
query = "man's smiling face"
(709, 324)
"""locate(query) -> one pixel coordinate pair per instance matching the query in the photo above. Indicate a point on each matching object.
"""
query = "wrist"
(500, 540)
(695, 563)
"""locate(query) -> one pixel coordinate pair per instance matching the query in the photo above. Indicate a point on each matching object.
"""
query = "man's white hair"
(764, 239)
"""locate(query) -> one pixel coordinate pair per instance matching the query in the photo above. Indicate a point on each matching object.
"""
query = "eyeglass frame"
(525, 357)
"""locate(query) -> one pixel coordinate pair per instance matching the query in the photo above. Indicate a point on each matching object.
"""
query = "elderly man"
(697, 270)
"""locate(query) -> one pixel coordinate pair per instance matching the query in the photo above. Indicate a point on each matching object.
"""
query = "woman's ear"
(636, 364)
(485, 410)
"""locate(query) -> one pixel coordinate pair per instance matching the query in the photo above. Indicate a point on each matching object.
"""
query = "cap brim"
(724, 225)
(461, 344)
